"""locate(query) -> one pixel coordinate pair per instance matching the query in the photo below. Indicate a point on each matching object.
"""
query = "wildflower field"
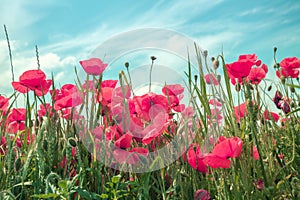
(237, 136)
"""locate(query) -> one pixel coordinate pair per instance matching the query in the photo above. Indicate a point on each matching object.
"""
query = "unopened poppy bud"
(216, 64)
(276, 65)
(219, 78)
(127, 64)
(270, 88)
(292, 88)
(205, 53)
(212, 59)
(275, 49)
(196, 78)
(282, 78)
(153, 58)
(237, 87)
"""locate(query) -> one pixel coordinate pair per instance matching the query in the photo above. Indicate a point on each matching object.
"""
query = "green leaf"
(103, 196)
(116, 179)
(45, 196)
(63, 184)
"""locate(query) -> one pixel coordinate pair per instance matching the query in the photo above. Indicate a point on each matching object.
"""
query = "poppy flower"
(44, 110)
(3, 103)
(16, 120)
(214, 102)
(239, 111)
(257, 74)
(254, 153)
(124, 141)
(93, 66)
(33, 80)
(211, 79)
(123, 156)
(271, 116)
(241, 68)
(202, 195)
(289, 67)
(67, 96)
(228, 148)
(195, 158)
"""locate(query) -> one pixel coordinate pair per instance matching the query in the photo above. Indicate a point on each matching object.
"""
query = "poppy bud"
(196, 78)
(216, 64)
(126, 64)
(270, 88)
(219, 78)
(153, 58)
(212, 59)
(292, 88)
(275, 49)
(237, 87)
(205, 53)
(282, 78)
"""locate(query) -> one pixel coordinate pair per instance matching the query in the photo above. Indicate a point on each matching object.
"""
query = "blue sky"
(68, 31)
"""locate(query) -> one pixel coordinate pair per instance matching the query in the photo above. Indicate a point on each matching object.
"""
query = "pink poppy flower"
(3, 103)
(93, 66)
(289, 68)
(240, 111)
(202, 195)
(67, 97)
(241, 68)
(211, 79)
(254, 153)
(226, 148)
(16, 120)
(123, 156)
(271, 116)
(33, 80)
(124, 141)
(195, 158)
(257, 74)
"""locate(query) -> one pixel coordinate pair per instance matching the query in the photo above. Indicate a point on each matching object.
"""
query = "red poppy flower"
(211, 79)
(44, 110)
(16, 120)
(34, 80)
(202, 195)
(239, 111)
(289, 67)
(271, 116)
(124, 141)
(67, 97)
(241, 68)
(93, 66)
(3, 103)
(215, 161)
(226, 148)
(254, 153)
(195, 158)
(214, 102)
(123, 156)
(174, 89)
(257, 74)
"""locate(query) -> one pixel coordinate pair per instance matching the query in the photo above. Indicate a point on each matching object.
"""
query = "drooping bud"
(216, 64)
(275, 49)
(127, 64)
